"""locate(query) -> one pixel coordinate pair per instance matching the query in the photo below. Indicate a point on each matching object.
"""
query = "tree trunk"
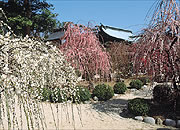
(178, 105)
(11, 1)
(28, 15)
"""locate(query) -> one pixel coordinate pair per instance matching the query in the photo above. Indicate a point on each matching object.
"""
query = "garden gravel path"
(108, 115)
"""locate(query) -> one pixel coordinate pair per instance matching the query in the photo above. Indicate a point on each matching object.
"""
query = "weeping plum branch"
(157, 51)
(26, 67)
(84, 51)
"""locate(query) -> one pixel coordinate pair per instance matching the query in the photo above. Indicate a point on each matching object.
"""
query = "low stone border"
(158, 121)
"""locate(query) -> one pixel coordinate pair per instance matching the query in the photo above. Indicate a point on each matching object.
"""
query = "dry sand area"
(109, 115)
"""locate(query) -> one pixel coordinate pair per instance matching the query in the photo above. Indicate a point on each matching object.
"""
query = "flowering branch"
(84, 51)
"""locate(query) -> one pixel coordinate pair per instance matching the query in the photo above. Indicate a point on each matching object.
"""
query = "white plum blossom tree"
(26, 67)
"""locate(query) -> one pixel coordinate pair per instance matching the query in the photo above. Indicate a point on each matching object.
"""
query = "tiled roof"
(55, 36)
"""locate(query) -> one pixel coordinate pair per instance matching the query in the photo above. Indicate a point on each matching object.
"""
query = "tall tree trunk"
(11, 1)
(28, 15)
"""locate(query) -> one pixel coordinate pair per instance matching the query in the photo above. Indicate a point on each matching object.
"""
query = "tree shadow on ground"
(113, 106)
(117, 107)
(164, 129)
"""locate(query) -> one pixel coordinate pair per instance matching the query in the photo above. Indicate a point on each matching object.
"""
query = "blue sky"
(125, 14)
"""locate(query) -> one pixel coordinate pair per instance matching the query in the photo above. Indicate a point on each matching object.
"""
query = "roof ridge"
(114, 28)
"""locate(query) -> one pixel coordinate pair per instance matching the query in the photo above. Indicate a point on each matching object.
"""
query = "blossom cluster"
(26, 67)
(27, 63)
(157, 51)
(84, 51)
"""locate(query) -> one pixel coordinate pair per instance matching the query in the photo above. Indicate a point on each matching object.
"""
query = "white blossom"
(34, 65)
(27, 66)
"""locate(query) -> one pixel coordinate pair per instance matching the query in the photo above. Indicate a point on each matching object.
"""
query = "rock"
(144, 86)
(133, 90)
(178, 123)
(149, 120)
(115, 94)
(154, 84)
(159, 121)
(170, 122)
(95, 98)
(122, 80)
(139, 118)
(87, 102)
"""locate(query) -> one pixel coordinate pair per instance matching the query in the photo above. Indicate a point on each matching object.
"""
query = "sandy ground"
(109, 115)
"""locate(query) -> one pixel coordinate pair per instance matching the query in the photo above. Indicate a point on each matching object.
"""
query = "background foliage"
(121, 58)
(30, 17)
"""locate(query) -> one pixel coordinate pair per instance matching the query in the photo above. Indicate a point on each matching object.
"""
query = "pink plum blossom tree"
(84, 51)
(157, 51)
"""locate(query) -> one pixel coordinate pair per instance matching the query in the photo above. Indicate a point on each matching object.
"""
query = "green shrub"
(45, 94)
(138, 106)
(55, 95)
(83, 94)
(163, 94)
(136, 84)
(103, 92)
(144, 80)
(52, 95)
(120, 88)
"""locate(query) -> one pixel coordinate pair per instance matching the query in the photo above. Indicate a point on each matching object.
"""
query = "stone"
(95, 98)
(122, 80)
(149, 120)
(159, 121)
(170, 122)
(87, 102)
(133, 90)
(154, 84)
(144, 86)
(115, 94)
(139, 118)
(178, 123)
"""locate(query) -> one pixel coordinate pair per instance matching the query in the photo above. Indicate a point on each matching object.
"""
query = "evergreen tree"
(30, 17)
